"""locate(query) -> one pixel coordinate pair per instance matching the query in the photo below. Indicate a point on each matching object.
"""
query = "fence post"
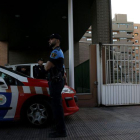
(99, 73)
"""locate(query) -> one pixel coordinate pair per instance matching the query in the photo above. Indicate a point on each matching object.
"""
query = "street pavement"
(98, 123)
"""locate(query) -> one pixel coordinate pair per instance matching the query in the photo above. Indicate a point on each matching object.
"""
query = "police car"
(27, 98)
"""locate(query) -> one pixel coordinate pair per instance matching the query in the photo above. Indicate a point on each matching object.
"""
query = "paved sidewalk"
(104, 123)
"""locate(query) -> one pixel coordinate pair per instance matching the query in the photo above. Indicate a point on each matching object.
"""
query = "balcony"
(87, 35)
(123, 35)
(83, 39)
(117, 27)
(123, 42)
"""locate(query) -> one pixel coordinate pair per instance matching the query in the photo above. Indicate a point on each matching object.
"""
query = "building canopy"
(26, 25)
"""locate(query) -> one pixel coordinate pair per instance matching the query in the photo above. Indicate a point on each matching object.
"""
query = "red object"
(70, 106)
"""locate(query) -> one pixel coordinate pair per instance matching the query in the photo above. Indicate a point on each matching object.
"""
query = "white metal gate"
(122, 74)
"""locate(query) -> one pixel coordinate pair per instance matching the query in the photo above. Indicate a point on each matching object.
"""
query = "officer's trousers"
(56, 100)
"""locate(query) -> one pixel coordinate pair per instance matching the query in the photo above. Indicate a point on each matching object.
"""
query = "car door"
(8, 96)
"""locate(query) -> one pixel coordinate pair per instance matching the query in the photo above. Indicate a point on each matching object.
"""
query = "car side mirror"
(3, 85)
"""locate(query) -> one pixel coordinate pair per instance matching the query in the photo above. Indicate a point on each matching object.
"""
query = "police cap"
(57, 36)
(40, 59)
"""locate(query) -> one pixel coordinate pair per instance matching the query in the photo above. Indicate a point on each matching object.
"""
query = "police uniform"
(56, 84)
(39, 72)
(24, 71)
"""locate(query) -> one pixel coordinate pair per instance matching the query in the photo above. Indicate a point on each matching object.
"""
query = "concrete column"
(101, 21)
(3, 53)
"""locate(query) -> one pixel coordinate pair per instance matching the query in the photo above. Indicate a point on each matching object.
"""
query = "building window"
(88, 39)
(135, 27)
(136, 48)
(114, 40)
(83, 37)
(136, 34)
(128, 33)
(114, 33)
(122, 31)
(88, 32)
(136, 41)
(123, 24)
(123, 38)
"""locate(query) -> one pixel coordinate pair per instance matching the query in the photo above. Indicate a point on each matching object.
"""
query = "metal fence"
(122, 63)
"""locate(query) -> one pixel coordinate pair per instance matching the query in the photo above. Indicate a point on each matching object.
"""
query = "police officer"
(24, 70)
(38, 70)
(56, 84)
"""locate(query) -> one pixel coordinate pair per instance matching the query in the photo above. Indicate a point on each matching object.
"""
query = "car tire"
(37, 113)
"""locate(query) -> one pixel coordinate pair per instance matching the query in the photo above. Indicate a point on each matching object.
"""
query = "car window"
(23, 69)
(9, 80)
(10, 68)
(16, 72)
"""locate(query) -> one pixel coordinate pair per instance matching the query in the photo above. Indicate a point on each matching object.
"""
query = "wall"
(83, 51)
(31, 56)
(76, 55)
(26, 56)
(3, 53)
(121, 18)
(136, 37)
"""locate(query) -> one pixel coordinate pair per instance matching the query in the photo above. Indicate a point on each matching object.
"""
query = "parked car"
(27, 98)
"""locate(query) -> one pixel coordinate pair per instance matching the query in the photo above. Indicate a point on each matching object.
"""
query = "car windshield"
(16, 72)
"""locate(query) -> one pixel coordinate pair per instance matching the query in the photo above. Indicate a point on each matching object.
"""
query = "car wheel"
(37, 113)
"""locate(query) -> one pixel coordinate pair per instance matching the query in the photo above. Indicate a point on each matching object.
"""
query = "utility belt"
(56, 78)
